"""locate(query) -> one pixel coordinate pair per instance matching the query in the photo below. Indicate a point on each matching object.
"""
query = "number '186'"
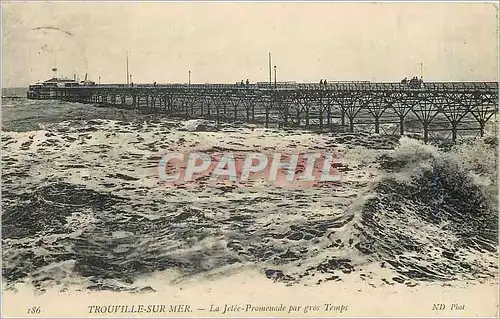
(34, 310)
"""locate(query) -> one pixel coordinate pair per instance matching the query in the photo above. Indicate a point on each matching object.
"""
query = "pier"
(443, 110)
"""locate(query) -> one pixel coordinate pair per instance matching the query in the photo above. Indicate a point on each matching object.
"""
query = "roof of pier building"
(58, 80)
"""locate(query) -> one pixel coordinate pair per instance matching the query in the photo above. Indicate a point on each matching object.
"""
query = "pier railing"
(338, 86)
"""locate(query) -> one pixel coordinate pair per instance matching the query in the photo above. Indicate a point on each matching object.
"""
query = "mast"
(54, 69)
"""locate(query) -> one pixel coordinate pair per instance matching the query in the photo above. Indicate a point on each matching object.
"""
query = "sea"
(82, 204)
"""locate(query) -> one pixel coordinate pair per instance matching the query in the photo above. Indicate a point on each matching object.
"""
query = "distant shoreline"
(14, 93)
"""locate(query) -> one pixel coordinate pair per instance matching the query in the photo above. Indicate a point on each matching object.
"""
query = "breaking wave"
(429, 219)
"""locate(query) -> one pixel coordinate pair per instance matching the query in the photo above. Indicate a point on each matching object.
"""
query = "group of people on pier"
(414, 82)
(323, 82)
(242, 83)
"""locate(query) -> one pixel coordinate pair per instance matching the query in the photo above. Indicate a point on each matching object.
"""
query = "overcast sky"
(228, 42)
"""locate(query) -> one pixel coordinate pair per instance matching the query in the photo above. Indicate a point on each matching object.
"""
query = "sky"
(228, 42)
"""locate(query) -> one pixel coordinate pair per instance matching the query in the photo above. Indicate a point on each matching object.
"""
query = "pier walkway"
(442, 110)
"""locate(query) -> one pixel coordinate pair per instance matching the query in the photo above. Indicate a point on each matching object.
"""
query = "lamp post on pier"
(270, 69)
(189, 79)
(275, 76)
(128, 76)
